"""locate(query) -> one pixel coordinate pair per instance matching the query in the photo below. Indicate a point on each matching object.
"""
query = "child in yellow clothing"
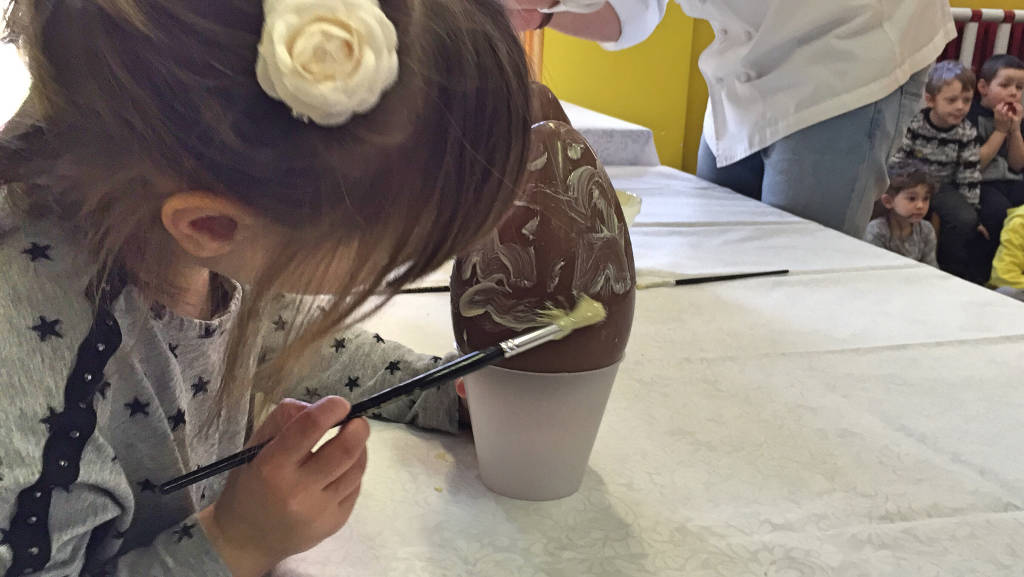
(1008, 266)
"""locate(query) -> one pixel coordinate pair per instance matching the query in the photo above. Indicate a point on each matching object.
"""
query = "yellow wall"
(646, 84)
(656, 84)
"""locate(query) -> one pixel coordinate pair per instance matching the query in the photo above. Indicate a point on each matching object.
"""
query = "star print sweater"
(98, 411)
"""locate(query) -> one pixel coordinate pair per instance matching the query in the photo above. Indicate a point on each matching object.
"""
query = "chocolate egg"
(564, 237)
(545, 105)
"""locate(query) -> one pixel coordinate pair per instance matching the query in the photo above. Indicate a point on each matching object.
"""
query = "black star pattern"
(146, 486)
(47, 328)
(208, 332)
(202, 495)
(173, 348)
(339, 345)
(3, 537)
(352, 383)
(119, 535)
(436, 360)
(176, 420)
(394, 367)
(280, 324)
(114, 459)
(200, 386)
(377, 415)
(51, 419)
(378, 338)
(136, 407)
(37, 251)
(185, 532)
(158, 310)
(262, 358)
(312, 394)
(103, 388)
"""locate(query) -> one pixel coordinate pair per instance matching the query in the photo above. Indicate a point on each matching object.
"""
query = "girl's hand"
(460, 390)
(289, 499)
(984, 232)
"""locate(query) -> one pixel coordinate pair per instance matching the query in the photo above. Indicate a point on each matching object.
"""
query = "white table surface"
(860, 417)
(615, 141)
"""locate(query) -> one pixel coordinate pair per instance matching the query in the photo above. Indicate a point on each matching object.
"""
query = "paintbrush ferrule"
(522, 343)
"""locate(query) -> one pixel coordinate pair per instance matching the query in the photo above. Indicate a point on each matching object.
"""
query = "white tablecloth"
(615, 141)
(860, 417)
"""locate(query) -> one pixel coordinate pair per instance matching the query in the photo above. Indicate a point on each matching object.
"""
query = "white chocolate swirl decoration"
(585, 204)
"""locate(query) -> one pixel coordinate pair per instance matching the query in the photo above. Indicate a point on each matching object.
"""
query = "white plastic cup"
(534, 431)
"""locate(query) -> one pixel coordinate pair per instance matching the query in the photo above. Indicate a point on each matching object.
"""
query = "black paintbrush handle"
(460, 367)
(708, 279)
(643, 285)
(424, 290)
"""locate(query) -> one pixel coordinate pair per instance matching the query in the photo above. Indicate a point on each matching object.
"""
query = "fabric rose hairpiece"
(327, 59)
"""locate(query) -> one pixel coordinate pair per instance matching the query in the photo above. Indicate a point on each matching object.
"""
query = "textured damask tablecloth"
(615, 141)
(860, 417)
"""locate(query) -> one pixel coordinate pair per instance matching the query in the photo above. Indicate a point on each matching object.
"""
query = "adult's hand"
(525, 14)
(602, 25)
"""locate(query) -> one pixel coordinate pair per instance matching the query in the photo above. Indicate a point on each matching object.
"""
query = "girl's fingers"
(345, 486)
(294, 442)
(283, 414)
(338, 455)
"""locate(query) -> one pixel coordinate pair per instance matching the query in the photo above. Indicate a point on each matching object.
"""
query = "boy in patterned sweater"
(942, 138)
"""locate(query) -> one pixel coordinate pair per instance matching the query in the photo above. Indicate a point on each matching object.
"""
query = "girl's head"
(910, 191)
(147, 129)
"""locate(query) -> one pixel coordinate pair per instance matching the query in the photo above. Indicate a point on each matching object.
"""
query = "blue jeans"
(831, 172)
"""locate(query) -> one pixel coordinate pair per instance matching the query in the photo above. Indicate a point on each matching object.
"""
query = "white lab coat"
(778, 66)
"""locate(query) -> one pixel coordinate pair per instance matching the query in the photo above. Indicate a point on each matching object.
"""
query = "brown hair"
(906, 174)
(134, 100)
(942, 73)
(990, 69)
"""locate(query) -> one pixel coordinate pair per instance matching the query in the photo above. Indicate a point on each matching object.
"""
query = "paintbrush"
(639, 285)
(560, 324)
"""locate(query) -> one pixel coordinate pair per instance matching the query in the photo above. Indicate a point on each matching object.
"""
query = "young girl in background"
(903, 228)
(172, 152)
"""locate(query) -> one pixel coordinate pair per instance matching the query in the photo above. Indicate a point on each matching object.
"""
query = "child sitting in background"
(1008, 266)
(942, 139)
(997, 116)
(903, 229)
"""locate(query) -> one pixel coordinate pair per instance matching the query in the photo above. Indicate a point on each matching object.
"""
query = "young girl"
(173, 152)
(903, 229)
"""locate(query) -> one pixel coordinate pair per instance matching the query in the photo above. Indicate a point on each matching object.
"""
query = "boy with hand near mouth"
(945, 141)
(997, 113)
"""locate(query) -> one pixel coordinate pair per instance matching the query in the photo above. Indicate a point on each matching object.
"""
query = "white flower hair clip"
(327, 59)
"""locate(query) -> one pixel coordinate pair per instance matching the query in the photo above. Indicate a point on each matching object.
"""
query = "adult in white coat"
(805, 96)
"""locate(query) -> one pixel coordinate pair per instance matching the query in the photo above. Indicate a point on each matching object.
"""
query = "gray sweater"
(97, 412)
(919, 246)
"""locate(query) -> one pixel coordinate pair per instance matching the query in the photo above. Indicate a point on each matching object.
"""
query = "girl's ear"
(206, 225)
(887, 201)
